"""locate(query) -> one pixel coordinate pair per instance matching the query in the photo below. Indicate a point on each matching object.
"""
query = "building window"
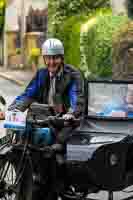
(36, 20)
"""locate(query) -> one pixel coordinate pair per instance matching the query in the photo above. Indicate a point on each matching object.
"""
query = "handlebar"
(53, 121)
(47, 150)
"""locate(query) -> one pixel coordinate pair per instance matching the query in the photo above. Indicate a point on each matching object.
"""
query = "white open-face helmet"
(52, 47)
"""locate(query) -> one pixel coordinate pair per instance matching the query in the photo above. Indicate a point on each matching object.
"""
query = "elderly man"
(60, 86)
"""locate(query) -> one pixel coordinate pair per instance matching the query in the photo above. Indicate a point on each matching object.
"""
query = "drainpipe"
(5, 52)
(22, 32)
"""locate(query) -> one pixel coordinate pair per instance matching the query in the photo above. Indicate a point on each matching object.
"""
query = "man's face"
(53, 62)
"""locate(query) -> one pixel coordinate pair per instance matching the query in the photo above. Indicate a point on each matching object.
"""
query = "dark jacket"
(69, 91)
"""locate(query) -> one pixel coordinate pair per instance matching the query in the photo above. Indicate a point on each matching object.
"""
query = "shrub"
(96, 43)
(34, 56)
(18, 51)
(69, 34)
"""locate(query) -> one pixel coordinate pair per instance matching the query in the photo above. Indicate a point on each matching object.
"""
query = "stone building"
(25, 29)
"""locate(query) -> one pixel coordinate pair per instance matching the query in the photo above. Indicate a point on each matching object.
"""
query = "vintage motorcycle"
(99, 153)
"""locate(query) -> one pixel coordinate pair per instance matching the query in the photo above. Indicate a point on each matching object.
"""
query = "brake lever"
(72, 122)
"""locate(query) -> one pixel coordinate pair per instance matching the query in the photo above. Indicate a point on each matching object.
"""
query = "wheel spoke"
(7, 179)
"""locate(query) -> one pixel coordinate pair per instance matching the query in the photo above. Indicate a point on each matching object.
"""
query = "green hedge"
(69, 34)
(96, 43)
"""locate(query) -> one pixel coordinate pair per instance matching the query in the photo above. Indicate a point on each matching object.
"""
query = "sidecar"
(100, 152)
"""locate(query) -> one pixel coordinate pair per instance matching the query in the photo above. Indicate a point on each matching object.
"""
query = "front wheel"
(8, 188)
(14, 183)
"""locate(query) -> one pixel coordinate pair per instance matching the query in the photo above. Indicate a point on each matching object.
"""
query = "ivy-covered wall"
(88, 41)
(96, 43)
(86, 28)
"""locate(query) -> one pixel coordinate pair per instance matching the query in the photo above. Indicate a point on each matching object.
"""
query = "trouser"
(58, 176)
(62, 138)
(64, 134)
(52, 179)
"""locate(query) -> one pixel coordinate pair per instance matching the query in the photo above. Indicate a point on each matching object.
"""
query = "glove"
(57, 147)
(68, 116)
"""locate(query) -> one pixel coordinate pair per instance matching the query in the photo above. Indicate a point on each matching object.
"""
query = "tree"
(130, 8)
(61, 9)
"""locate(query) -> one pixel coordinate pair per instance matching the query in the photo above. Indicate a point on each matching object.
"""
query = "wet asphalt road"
(9, 90)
